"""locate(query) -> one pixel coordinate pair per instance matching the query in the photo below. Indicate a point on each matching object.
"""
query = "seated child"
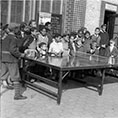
(56, 47)
(42, 49)
(79, 41)
(94, 49)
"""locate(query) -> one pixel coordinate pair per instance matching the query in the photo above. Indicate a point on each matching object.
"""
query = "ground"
(77, 102)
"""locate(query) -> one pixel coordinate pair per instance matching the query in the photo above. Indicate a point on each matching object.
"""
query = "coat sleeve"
(14, 50)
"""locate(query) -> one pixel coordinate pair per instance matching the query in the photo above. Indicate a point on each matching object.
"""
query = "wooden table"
(64, 65)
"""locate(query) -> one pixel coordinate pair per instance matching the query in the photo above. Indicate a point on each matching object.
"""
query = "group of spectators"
(29, 40)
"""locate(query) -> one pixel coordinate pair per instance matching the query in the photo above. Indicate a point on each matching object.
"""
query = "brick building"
(71, 14)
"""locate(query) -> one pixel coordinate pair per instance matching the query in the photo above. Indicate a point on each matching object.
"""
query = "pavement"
(77, 102)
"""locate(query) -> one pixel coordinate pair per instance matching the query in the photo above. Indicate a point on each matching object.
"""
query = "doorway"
(109, 20)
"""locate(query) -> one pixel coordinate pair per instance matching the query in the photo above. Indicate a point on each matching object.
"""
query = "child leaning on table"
(42, 49)
(111, 50)
(56, 47)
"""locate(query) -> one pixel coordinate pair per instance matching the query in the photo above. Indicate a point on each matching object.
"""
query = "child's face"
(104, 28)
(43, 32)
(44, 47)
(66, 38)
(33, 24)
(58, 39)
(80, 33)
(71, 38)
(34, 32)
(87, 35)
(112, 43)
(94, 45)
(97, 31)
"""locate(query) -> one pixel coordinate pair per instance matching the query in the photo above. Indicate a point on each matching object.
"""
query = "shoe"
(8, 87)
(20, 97)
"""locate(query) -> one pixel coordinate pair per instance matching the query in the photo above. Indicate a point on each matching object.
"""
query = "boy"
(104, 40)
(56, 47)
(111, 51)
(10, 56)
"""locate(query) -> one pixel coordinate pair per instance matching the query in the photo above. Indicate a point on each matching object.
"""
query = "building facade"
(68, 15)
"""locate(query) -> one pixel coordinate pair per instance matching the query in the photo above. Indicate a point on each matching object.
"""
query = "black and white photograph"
(58, 58)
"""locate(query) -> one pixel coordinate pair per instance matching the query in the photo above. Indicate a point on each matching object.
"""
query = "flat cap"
(13, 25)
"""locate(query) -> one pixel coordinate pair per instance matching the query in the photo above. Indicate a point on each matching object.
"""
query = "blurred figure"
(42, 37)
(116, 40)
(111, 50)
(104, 40)
(49, 33)
(94, 50)
(10, 56)
(87, 41)
(32, 23)
(72, 44)
(79, 41)
(65, 41)
(96, 36)
(4, 31)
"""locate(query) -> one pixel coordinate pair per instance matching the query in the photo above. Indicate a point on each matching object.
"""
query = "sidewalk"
(76, 102)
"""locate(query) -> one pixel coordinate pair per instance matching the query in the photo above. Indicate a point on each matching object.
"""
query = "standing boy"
(10, 56)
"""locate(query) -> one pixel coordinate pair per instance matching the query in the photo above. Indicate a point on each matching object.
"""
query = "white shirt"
(56, 47)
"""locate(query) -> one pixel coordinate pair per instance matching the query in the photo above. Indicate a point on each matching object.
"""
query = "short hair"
(56, 35)
(41, 44)
(103, 25)
(33, 28)
(97, 28)
(87, 32)
(30, 22)
(23, 25)
(5, 26)
(42, 27)
(64, 35)
(47, 23)
(72, 34)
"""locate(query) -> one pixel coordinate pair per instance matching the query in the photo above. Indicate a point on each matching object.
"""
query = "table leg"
(100, 88)
(59, 87)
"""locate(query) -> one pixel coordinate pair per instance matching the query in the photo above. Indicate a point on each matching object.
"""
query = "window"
(4, 11)
(45, 6)
(16, 11)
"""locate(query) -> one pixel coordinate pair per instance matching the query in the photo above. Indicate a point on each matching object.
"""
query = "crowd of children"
(30, 40)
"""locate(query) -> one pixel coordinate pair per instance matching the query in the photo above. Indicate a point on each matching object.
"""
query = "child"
(65, 41)
(72, 44)
(56, 47)
(87, 41)
(79, 41)
(111, 50)
(42, 37)
(42, 50)
(96, 37)
(104, 40)
(94, 49)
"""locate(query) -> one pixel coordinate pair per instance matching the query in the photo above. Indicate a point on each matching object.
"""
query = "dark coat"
(10, 51)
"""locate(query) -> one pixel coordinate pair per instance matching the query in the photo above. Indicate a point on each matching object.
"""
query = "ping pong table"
(64, 65)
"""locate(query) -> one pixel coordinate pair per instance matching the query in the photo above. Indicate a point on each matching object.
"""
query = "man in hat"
(10, 56)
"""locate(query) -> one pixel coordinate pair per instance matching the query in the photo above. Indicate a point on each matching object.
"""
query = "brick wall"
(68, 15)
(94, 15)
(79, 14)
(74, 14)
